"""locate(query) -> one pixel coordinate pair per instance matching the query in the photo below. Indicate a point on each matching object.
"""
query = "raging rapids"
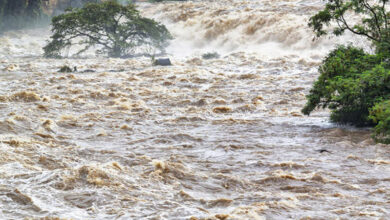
(202, 139)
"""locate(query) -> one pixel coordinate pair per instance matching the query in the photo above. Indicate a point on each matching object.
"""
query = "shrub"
(342, 63)
(380, 114)
(350, 83)
(118, 29)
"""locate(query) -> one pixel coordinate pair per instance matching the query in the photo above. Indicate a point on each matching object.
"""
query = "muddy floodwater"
(202, 139)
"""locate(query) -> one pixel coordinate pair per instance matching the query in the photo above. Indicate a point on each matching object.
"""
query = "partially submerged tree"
(118, 29)
(350, 83)
(353, 84)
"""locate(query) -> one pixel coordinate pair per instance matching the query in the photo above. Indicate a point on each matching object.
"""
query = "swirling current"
(201, 139)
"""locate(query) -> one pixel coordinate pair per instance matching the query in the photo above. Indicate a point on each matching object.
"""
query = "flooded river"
(202, 139)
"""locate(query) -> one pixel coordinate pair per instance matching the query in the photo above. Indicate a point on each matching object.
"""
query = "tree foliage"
(374, 22)
(380, 114)
(118, 29)
(350, 83)
(353, 84)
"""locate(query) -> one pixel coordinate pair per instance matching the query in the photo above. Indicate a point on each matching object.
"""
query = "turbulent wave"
(270, 28)
(219, 139)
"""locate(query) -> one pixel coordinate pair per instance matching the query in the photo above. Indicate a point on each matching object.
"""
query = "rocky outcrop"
(162, 62)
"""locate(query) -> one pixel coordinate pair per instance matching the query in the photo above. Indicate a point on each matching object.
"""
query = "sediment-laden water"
(202, 139)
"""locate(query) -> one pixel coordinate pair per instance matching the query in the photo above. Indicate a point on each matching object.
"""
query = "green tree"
(350, 83)
(118, 29)
(353, 84)
(374, 23)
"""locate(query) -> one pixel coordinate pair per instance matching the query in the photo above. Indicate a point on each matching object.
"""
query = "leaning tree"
(117, 30)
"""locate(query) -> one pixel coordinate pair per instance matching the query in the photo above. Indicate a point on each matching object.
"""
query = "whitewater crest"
(269, 28)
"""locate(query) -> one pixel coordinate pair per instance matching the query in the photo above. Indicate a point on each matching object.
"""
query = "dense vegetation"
(16, 14)
(380, 114)
(117, 29)
(355, 85)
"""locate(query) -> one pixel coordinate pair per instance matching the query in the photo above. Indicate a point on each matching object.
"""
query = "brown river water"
(202, 139)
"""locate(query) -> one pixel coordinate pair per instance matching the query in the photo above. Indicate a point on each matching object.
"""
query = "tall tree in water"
(118, 30)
